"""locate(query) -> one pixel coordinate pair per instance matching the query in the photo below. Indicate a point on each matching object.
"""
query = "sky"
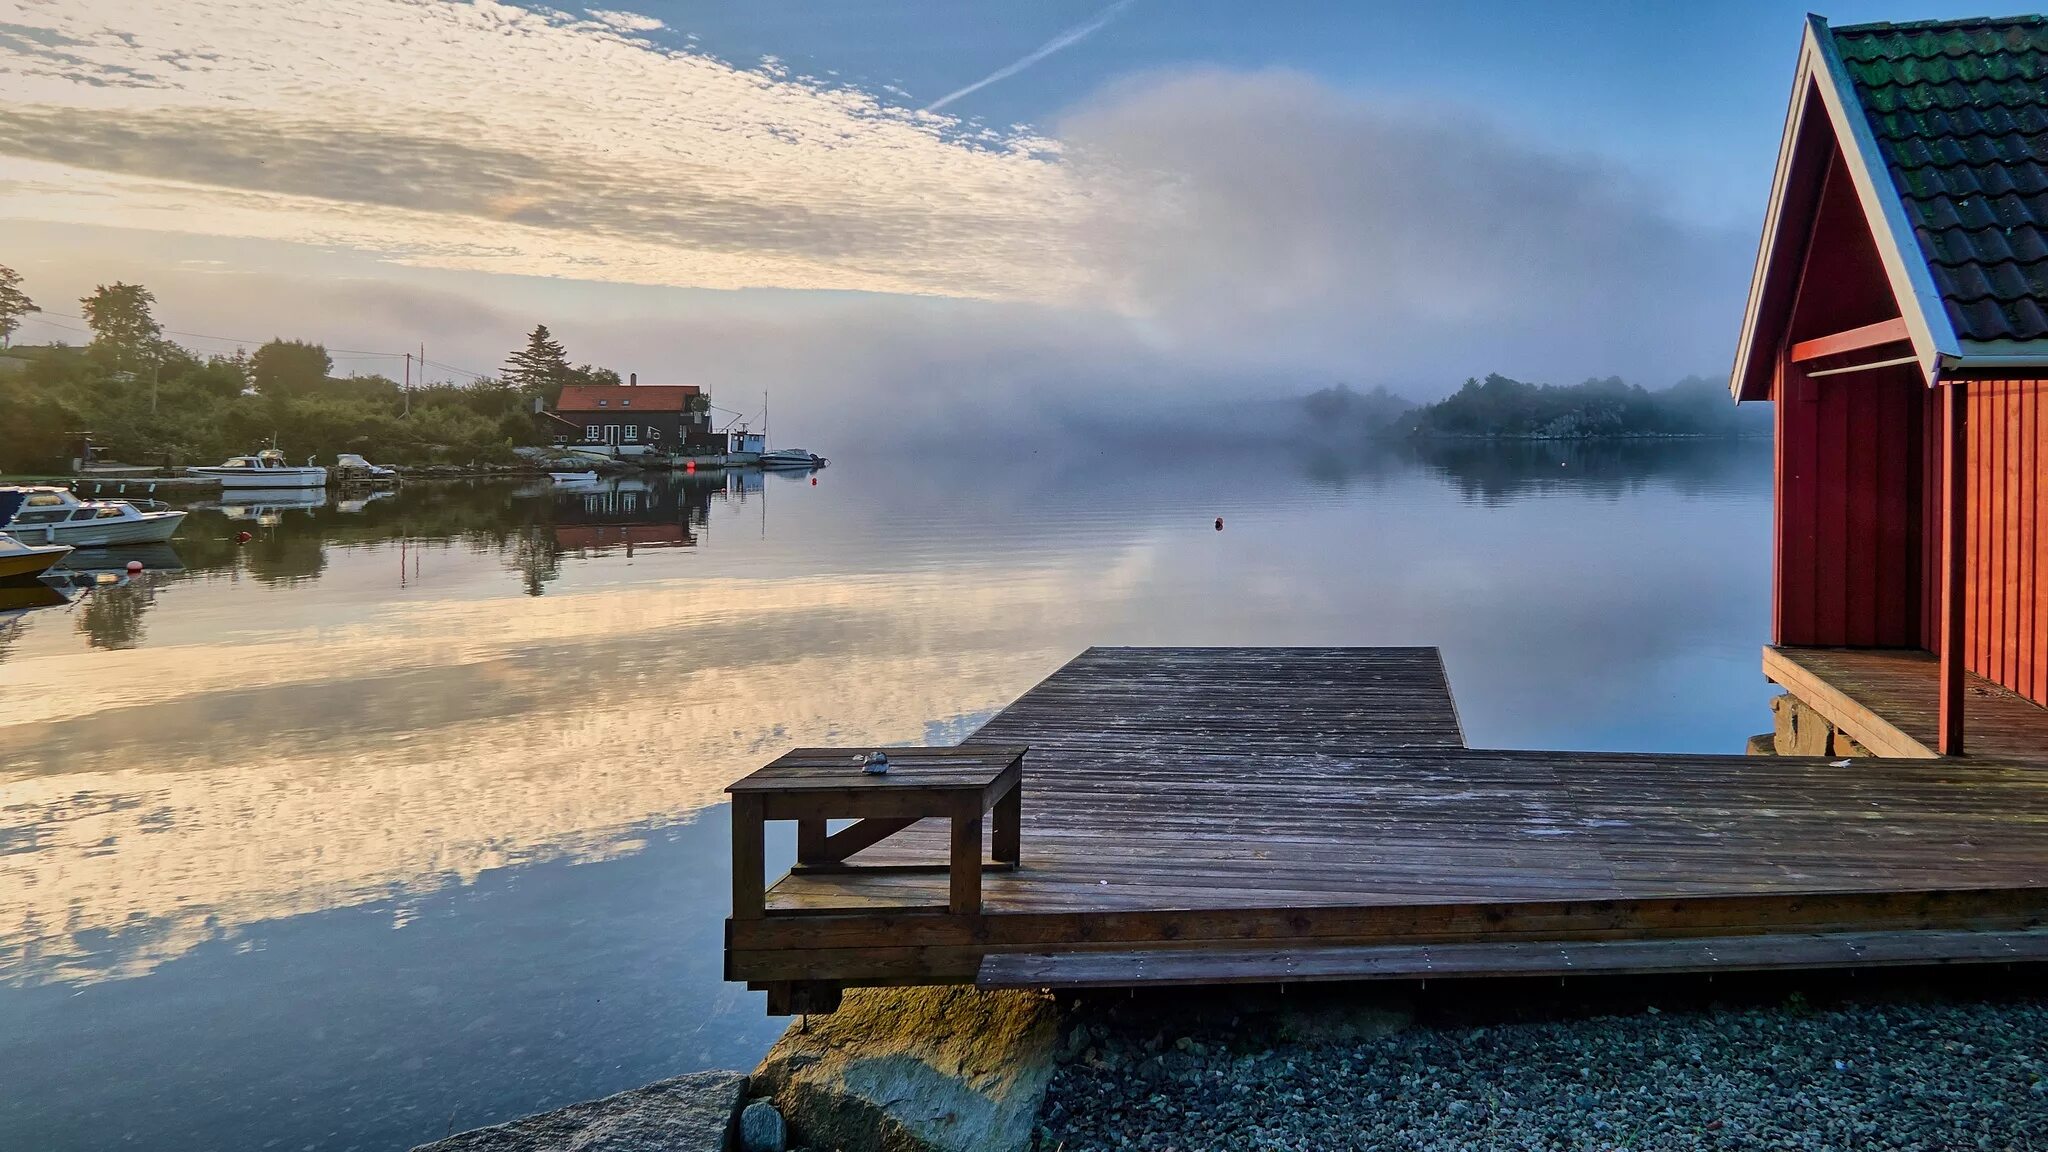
(895, 215)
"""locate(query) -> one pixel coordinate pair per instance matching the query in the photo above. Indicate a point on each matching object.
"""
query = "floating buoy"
(1219, 523)
(814, 481)
(689, 466)
(242, 537)
(134, 566)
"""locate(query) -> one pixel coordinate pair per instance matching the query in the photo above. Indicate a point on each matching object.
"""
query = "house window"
(602, 403)
(626, 403)
(590, 433)
(632, 435)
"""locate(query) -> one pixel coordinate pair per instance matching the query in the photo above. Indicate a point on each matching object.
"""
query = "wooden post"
(811, 845)
(966, 866)
(1955, 511)
(749, 889)
(1006, 841)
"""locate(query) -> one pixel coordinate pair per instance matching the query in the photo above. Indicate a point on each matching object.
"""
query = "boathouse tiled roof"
(1959, 111)
(626, 397)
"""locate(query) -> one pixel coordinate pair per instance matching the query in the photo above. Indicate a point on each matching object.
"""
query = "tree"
(540, 366)
(124, 334)
(587, 374)
(14, 304)
(289, 368)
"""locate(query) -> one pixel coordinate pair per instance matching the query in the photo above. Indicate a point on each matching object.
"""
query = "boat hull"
(240, 478)
(149, 528)
(29, 564)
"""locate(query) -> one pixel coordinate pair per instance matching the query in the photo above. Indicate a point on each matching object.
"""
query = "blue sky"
(1183, 200)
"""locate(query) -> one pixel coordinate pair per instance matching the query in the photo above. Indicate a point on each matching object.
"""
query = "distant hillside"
(1598, 409)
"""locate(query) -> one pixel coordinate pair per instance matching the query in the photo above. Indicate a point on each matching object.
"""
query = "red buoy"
(689, 466)
(1219, 523)
(134, 566)
(242, 537)
(814, 481)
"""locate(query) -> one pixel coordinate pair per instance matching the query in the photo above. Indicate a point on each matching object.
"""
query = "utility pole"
(408, 384)
(156, 364)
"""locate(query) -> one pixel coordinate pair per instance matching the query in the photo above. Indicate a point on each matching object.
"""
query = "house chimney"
(632, 379)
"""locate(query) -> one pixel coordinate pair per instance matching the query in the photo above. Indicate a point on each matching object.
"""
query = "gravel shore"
(1912, 1066)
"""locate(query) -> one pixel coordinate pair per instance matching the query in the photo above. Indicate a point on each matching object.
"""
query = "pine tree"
(14, 304)
(540, 366)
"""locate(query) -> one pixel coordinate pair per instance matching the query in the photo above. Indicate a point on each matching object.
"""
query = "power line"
(41, 317)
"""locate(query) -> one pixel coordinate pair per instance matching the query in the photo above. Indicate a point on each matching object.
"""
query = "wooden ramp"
(1888, 700)
(1258, 806)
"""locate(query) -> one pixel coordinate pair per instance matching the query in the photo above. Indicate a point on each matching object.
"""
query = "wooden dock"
(1221, 815)
(1889, 700)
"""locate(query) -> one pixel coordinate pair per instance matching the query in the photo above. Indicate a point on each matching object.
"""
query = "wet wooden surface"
(1888, 698)
(1207, 798)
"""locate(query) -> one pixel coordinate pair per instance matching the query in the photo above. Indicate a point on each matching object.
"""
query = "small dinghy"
(573, 477)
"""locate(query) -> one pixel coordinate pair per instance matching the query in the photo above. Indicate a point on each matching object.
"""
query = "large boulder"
(916, 1070)
(691, 1113)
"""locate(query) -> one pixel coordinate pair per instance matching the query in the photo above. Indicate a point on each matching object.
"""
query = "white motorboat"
(791, 458)
(59, 516)
(348, 466)
(21, 563)
(573, 477)
(266, 469)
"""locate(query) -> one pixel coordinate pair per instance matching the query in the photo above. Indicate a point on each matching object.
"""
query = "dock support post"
(1955, 511)
(966, 866)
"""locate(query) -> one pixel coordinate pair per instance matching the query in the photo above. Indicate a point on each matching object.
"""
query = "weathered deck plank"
(1316, 797)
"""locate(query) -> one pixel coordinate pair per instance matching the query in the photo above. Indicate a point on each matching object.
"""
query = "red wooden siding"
(1850, 509)
(2006, 632)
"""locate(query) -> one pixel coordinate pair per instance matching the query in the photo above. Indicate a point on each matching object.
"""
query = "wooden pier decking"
(1216, 815)
(1888, 699)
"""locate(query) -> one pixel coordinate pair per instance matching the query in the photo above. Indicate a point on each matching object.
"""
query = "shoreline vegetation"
(147, 400)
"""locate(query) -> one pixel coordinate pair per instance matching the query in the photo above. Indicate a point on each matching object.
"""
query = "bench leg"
(966, 869)
(1007, 838)
(811, 842)
(749, 888)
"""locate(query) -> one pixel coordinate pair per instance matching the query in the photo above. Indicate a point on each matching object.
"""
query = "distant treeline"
(1506, 408)
(145, 399)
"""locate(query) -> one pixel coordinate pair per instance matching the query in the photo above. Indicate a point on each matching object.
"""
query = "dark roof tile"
(1959, 110)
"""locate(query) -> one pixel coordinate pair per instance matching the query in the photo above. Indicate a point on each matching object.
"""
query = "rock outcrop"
(916, 1070)
(691, 1113)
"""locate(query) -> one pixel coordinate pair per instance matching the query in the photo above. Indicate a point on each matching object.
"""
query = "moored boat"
(21, 563)
(266, 469)
(573, 477)
(53, 515)
(791, 458)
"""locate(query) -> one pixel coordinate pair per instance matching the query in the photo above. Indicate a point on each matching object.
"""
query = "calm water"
(405, 816)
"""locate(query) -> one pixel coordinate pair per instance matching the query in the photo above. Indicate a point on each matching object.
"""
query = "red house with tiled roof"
(1898, 317)
(632, 418)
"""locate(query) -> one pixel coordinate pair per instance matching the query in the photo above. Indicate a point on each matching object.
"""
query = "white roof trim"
(1934, 338)
(1774, 212)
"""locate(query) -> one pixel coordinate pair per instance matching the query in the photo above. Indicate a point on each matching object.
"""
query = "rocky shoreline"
(1904, 1060)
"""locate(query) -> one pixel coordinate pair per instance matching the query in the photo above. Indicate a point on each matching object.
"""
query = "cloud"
(488, 136)
(1269, 218)
(1059, 43)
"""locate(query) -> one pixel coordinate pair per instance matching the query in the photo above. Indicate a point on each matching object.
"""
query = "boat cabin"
(1898, 320)
(269, 458)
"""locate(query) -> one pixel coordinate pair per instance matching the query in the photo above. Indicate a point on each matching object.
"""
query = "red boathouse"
(1898, 317)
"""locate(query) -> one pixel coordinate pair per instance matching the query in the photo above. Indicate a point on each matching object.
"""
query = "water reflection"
(404, 712)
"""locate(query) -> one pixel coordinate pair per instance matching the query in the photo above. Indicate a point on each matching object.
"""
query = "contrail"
(1067, 39)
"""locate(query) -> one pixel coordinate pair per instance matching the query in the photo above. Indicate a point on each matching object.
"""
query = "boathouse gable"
(1898, 316)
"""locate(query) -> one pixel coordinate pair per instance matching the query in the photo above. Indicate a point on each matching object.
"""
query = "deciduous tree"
(284, 368)
(124, 333)
(14, 304)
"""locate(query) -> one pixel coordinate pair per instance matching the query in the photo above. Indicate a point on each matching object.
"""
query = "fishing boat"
(21, 563)
(573, 477)
(55, 515)
(266, 469)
